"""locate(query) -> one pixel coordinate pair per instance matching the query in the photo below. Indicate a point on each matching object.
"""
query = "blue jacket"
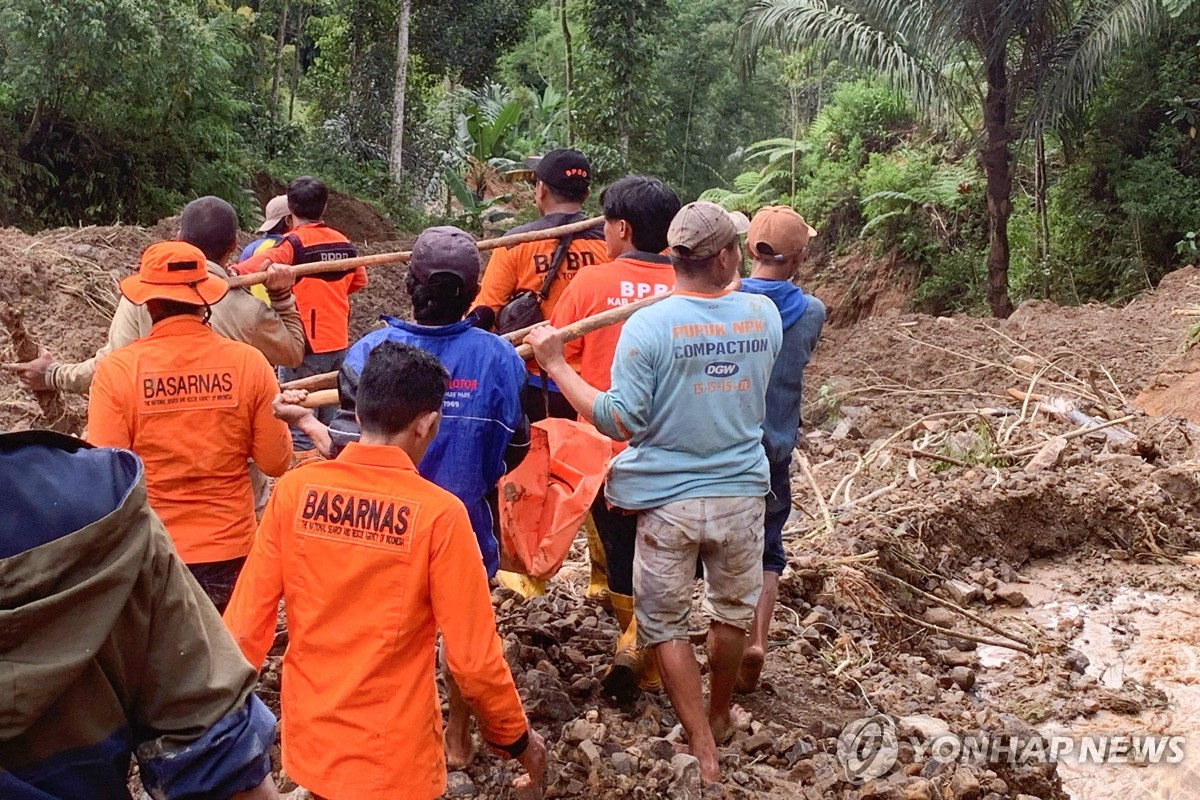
(484, 433)
(108, 648)
(803, 317)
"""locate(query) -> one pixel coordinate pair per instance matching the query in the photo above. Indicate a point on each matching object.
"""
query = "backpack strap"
(556, 262)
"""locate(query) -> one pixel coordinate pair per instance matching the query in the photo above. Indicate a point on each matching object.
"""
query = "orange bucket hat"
(173, 271)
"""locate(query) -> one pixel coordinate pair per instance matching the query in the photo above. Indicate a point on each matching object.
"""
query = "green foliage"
(485, 128)
(619, 103)
(476, 211)
(117, 109)
(772, 183)
(463, 39)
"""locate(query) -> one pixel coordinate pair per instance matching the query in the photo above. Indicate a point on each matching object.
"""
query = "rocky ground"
(941, 459)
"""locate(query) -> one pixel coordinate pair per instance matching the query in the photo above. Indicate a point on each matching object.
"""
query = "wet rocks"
(459, 784)
(1077, 661)
(685, 778)
(1011, 595)
(552, 705)
(624, 764)
(963, 677)
(761, 742)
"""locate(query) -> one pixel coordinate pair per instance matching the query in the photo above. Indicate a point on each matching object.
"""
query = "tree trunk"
(296, 63)
(280, 35)
(396, 160)
(1039, 191)
(570, 67)
(997, 166)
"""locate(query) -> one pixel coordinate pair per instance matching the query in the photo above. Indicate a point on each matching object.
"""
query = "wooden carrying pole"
(611, 316)
(403, 256)
(328, 380)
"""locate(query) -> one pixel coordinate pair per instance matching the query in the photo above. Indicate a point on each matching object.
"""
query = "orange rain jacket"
(371, 560)
(323, 299)
(631, 277)
(194, 406)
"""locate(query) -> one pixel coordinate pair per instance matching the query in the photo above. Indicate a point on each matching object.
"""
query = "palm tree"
(1024, 64)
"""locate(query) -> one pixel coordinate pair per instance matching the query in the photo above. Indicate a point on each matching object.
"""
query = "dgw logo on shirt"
(721, 369)
(373, 520)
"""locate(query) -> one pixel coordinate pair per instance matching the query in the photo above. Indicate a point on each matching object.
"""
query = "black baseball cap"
(445, 248)
(564, 169)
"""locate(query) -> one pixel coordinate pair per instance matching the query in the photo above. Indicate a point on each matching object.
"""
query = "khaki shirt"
(275, 330)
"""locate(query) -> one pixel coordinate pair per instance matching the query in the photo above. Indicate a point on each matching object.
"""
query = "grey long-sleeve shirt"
(275, 330)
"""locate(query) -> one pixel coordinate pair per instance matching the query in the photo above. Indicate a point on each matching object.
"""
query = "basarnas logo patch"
(357, 517)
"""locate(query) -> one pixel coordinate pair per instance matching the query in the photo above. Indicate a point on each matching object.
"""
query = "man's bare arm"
(547, 344)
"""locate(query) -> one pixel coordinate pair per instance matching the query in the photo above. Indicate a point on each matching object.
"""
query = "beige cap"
(276, 210)
(778, 232)
(703, 229)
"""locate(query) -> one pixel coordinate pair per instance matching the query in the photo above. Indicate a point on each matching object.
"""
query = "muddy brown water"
(1147, 635)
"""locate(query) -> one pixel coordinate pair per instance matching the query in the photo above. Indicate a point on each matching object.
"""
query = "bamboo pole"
(583, 327)
(323, 380)
(323, 395)
(403, 256)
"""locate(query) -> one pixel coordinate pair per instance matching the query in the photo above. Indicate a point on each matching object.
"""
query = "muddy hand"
(547, 344)
(280, 278)
(532, 785)
(286, 406)
(32, 374)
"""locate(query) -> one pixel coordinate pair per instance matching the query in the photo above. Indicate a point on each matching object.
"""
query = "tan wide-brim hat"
(173, 271)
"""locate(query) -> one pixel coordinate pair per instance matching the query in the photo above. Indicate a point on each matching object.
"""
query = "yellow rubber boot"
(598, 581)
(622, 679)
(524, 585)
(651, 679)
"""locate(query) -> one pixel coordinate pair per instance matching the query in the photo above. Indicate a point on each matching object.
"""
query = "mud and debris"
(977, 503)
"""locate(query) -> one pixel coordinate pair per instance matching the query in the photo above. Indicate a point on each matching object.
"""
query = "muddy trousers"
(618, 534)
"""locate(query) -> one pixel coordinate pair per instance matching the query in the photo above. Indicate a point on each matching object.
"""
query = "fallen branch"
(944, 603)
(807, 470)
(915, 453)
(970, 637)
(54, 408)
(403, 256)
(1075, 434)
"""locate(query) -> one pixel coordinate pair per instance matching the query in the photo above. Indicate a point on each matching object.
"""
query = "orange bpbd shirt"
(323, 300)
(632, 277)
(524, 266)
(194, 406)
(372, 560)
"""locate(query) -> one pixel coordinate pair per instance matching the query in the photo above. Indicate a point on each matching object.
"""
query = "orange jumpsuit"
(372, 560)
